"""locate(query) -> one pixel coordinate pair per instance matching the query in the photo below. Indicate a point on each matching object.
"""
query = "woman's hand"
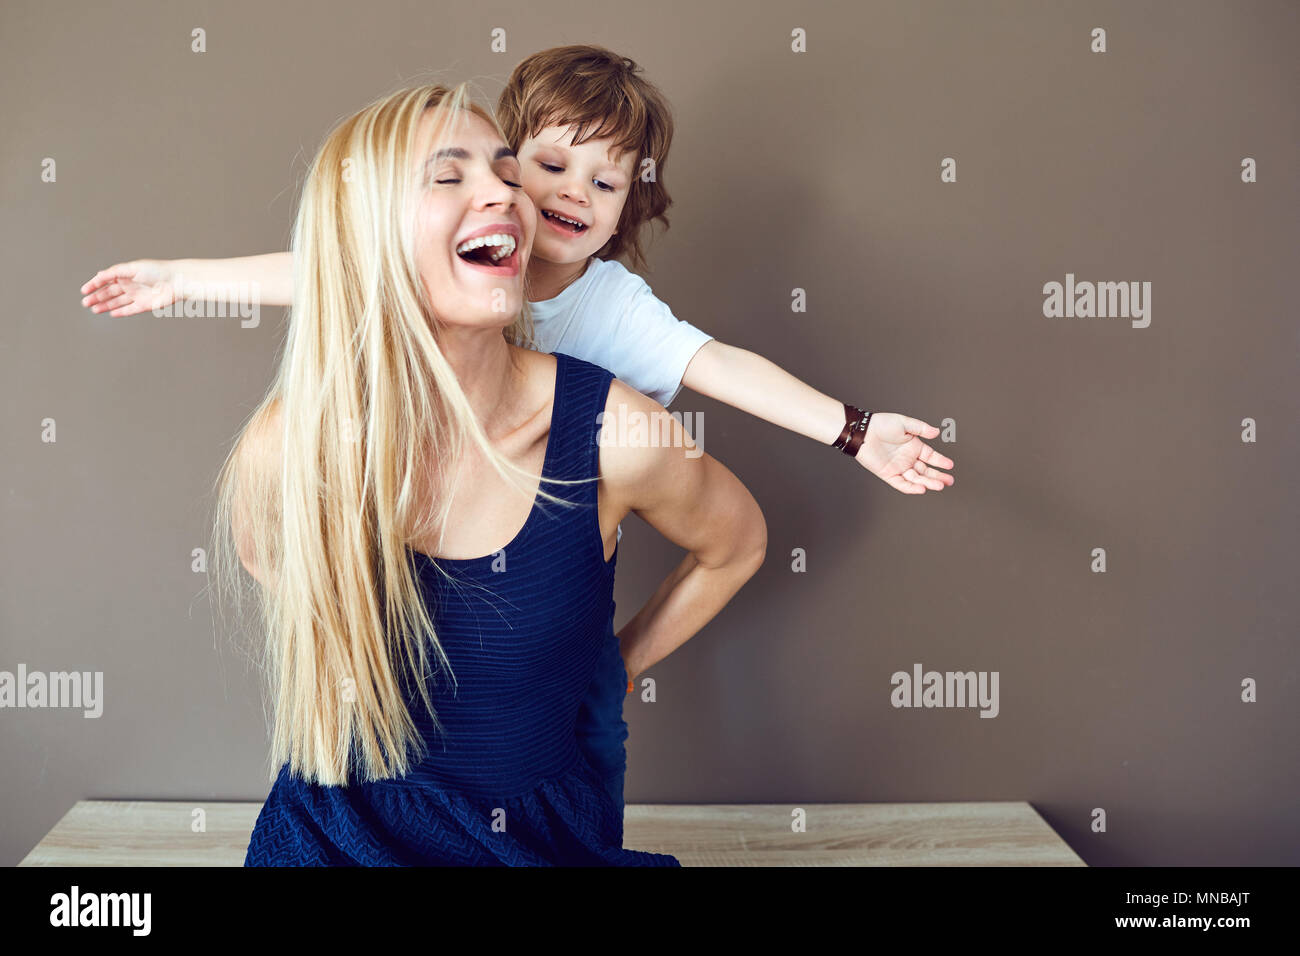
(892, 450)
(129, 288)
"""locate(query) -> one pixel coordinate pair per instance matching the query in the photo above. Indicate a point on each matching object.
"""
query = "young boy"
(592, 138)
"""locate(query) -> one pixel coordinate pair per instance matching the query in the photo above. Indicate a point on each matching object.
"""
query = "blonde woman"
(430, 509)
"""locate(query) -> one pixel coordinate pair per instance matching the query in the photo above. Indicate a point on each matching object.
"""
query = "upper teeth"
(503, 241)
(565, 218)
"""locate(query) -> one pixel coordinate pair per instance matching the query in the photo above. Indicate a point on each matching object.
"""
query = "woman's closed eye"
(451, 179)
(446, 176)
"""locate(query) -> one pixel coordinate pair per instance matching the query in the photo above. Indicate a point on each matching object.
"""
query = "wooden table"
(156, 833)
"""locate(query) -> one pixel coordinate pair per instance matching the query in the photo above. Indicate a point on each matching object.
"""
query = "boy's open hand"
(892, 450)
(129, 288)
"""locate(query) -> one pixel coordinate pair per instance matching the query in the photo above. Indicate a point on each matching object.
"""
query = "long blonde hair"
(366, 398)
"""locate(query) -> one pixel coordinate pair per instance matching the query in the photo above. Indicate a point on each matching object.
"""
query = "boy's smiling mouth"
(567, 225)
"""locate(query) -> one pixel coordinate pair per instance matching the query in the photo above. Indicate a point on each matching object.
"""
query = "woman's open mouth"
(564, 225)
(496, 254)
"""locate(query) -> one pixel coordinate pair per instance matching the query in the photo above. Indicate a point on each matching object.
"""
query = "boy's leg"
(601, 728)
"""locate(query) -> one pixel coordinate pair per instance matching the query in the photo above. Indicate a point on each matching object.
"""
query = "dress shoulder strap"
(580, 394)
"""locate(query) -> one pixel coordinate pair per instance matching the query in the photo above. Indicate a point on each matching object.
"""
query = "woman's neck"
(547, 279)
(485, 368)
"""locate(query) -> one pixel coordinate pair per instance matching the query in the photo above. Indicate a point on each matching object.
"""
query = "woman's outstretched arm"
(695, 502)
(141, 285)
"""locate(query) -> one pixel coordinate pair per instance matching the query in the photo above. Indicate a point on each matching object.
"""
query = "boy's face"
(585, 183)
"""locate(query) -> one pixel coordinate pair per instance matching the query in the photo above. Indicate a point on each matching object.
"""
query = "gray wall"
(1118, 690)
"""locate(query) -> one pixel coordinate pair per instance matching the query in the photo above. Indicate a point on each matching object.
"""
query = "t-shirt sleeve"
(654, 346)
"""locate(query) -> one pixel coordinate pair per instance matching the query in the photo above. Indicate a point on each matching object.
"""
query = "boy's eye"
(552, 168)
(514, 185)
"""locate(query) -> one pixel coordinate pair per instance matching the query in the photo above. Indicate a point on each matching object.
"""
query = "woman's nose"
(497, 194)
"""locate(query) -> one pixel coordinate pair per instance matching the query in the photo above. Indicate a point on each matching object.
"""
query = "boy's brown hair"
(601, 94)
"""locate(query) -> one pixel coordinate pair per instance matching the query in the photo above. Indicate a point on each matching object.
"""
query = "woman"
(433, 614)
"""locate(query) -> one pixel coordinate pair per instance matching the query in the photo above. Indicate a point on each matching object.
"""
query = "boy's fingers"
(923, 481)
(102, 293)
(934, 458)
(94, 283)
(917, 427)
(123, 270)
(107, 303)
(109, 294)
(120, 302)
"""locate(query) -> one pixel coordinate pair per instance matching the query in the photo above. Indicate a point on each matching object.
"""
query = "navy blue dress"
(601, 728)
(506, 783)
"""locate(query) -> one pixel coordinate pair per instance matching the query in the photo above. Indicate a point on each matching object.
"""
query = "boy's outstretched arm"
(129, 288)
(892, 449)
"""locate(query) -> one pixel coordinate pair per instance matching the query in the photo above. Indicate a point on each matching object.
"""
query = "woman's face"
(474, 223)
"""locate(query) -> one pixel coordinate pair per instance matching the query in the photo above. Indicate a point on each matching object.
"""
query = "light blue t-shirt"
(609, 317)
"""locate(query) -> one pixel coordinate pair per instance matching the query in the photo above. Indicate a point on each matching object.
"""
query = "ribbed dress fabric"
(505, 783)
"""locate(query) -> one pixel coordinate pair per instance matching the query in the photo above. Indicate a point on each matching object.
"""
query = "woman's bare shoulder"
(642, 443)
(257, 459)
(263, 438)
(538, 371)
(539, 367)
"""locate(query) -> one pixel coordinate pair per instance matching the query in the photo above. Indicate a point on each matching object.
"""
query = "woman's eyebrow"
(455, 152)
